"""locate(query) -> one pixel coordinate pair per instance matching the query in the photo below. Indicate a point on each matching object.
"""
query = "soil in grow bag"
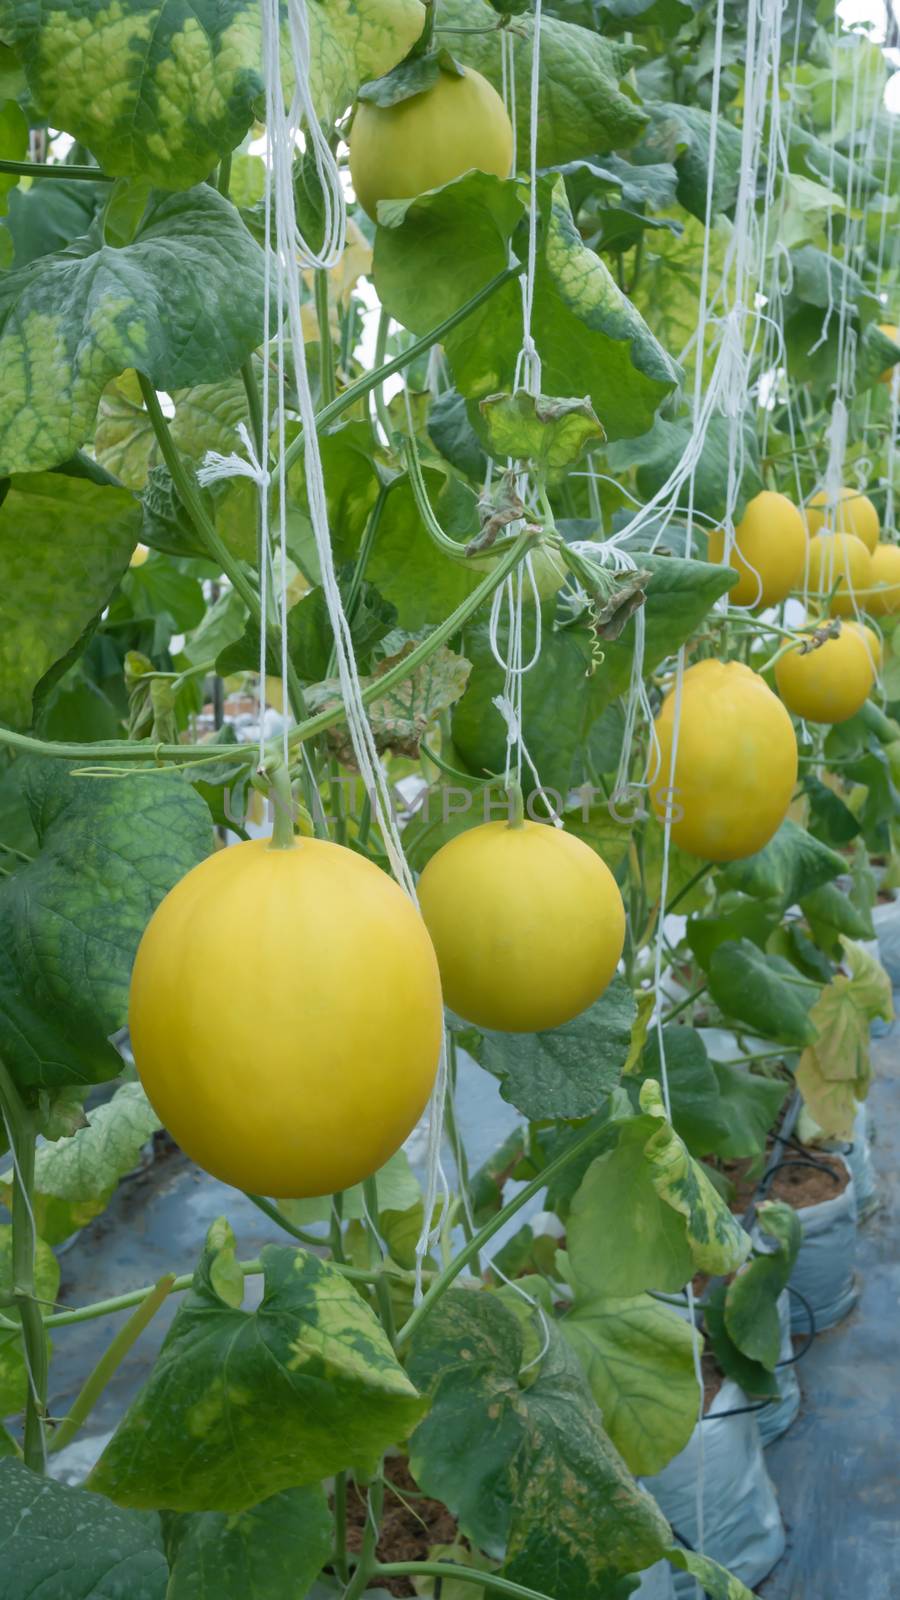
(410, 1527)
(804, 1185)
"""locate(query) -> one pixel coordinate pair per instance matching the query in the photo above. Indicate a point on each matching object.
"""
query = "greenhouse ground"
(837, 1469)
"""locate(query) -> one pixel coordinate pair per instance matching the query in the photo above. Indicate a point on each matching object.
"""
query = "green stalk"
(687, 887)
(474, 1246)
(270, 1210)
(683, 1004)
(22, 1130)
(283, 835)
(254, 406)
(376, 1258)
(457, 1146)
(340, 1526)
(326, 348)
(366, 1563)
(223, 179)
(448, 1570)
(111, 1359)
(381, 339)
(371, 380)
(55, 169)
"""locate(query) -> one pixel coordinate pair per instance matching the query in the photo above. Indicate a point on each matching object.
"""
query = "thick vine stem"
(55, 169)
(22, 1133)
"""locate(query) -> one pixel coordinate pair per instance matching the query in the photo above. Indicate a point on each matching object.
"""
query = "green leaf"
(413, 76)
(168, 89)
(588, 334)
(697, 1116)
(273, 1551)
(638, 1356)
(452, 434)
(830, 912)
(74, 1178)
(50, 214)
(835, 1068)
(66, 1544)
(309, 635)
(13, 1372)
(737, 917)
(8, 1445)
(559, 705)
(677, 1222)
(717, 1583)
(667, 292)
(183, 304)
(751, 1299)
(791, 866)
(528, 1466)
(581, 109)
(657, 453)
(243, 1404)
(568, 1071)
(749, 1105)
(683, 134)
(549, 433)
(70, 921)
(64, 544)
(764, 992)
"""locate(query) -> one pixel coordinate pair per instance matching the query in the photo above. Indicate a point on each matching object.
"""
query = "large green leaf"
(13, 1372)
(677, 1223)
(751, 1310)
(835, 1068)
(657, 453)
(791, 866)
(750, 1105)
(525, 1465)
(697, 1115)
(70, 921)
(65, 1544)
(683, 134)
(581, 109)
(590, 338)
(243, 1404)
(764, 992)
(638, 1355)
(183, 304)
(567, 1071)
(167, 87)
(48, 215)
(407, 567)
(273, 1551)
(74, 1177)
(64, 543)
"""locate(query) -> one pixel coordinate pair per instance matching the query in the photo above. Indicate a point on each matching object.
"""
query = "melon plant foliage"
(132, 343)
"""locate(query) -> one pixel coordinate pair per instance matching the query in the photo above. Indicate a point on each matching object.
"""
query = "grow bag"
(656, 1583)
(775, 1417)
(862, 1167)
(823, 1272)
(742, 1527)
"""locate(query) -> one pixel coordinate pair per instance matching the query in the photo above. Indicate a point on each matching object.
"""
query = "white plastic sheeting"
(743, 1529)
